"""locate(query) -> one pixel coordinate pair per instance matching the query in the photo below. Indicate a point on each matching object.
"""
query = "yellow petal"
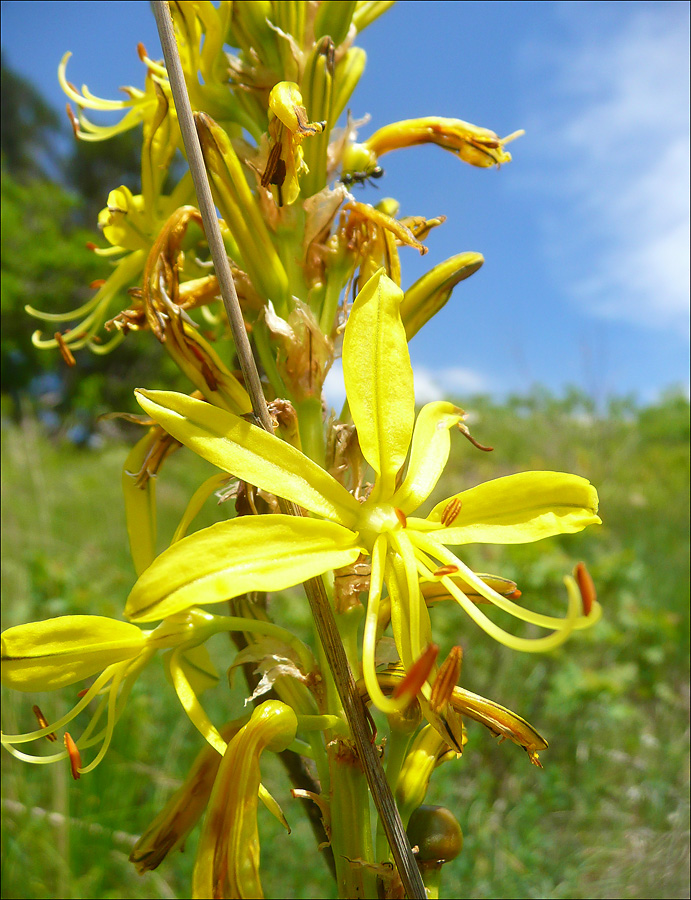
(253, 553)
(429, 454)
(517, 509)
(227, 863)
(140, 501)
(44, 656)
(379, 380)
(250, 454)
(430, 293)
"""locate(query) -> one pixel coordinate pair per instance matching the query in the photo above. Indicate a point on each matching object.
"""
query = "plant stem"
(314, 588)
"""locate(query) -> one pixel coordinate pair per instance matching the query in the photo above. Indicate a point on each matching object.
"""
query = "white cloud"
(430, 384)
(621, 138)
(446, 384)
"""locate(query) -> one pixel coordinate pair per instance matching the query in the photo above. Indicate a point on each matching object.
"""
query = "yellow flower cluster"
(300, 246)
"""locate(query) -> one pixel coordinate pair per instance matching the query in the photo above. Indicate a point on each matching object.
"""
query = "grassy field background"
(608, 815)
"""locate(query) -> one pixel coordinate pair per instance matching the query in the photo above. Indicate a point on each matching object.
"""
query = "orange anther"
(446, 680)
(43, 722)
(97, 282)
(73, 753)
(418, 672)
(65, 351)
(446, 570)
(141, 50)
(400, 515)
(91, 246)
(586, 586)
(514, 595)
(451, 512)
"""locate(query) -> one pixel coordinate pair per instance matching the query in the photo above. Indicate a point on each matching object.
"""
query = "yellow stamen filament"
(563, 627)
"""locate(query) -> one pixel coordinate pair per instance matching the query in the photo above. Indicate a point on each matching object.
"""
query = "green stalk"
(311, 425)
(322, 611)
(351, 831)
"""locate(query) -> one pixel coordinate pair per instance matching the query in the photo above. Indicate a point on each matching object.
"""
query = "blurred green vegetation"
(52, 191)
(606, 817)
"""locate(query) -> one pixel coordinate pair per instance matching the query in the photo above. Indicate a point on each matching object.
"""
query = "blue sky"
(585, 234)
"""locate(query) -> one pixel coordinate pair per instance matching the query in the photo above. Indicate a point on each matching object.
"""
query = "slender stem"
(314, 588)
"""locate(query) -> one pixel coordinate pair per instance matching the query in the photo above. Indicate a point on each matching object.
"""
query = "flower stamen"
(586, 586)
(445, 570)
(466, 433)
(418, 673)
(73, 755)
(451, 512)
(446, 680)
(43, 723)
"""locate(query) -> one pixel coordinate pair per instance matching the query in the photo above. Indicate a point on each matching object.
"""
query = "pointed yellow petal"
(44, 656)
(140, 502)
(250, 454)
(430, 452)
(379, 379)
(253, 553)
(517, 509)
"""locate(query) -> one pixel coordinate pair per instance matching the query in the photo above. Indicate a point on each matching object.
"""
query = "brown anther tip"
(418, 672)
(91, 246)
(74, 121)
(451, 512)
(586, 586)
(466, 433)
(43, 723)
(65, 351)
(97, 282)
(141, 52)
(83, 692)
(400, 515)
(446, 680)
(446, 570)
(514, 595)
(73, 753)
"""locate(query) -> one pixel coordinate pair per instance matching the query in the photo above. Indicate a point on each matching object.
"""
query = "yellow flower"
(227, 862)
(273, 552)
(288, 126)
(48, 655)
(171, 827)
(45, 656)
(477, 146)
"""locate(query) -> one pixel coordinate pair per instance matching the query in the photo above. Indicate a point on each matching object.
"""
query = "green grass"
(608, 815)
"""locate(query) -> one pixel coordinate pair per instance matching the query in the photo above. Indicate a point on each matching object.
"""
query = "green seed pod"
(437, 834)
